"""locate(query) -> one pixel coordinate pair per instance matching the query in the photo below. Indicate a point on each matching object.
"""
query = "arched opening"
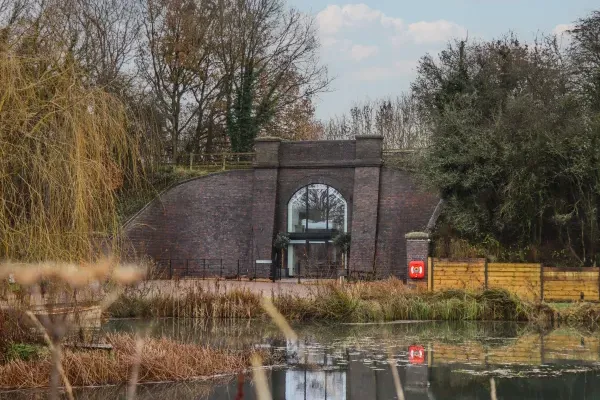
(316, 213)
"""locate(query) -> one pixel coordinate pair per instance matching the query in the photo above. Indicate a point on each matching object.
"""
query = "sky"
(372, 48)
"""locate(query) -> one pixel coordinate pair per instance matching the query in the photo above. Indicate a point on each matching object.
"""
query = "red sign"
(416, 269)
(416, 354)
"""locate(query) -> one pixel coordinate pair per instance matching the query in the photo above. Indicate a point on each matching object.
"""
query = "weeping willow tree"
(65, 149)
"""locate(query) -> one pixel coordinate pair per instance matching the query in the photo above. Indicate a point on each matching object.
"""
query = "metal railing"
(246, 269)
(205, 268)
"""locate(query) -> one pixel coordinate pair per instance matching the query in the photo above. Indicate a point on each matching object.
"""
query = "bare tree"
(107, 32)
(165, 58)
(397, 120)
(261, 44)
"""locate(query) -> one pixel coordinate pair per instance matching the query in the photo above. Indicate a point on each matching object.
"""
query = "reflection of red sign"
(416, 269)
(416, 354)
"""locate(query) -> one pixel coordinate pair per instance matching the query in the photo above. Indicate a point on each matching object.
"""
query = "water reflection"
(434, 361)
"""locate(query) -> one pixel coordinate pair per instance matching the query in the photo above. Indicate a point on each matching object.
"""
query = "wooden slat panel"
(570, 270)
(509, 276)
(512, 265)
(458, 269)
(558, 285)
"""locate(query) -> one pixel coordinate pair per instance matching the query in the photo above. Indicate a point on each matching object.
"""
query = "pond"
(435, 360)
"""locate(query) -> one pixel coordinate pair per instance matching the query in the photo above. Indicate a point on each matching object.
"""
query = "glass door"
(313, 258)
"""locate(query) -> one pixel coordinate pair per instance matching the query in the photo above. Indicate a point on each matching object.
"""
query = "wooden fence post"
(430, 274)
(432, 271)
(541, 282)
(485, 273)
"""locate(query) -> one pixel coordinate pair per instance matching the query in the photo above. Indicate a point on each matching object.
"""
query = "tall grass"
(196, 303)
(65, 148)
(361, 302)
(161, 360)
(369, 302)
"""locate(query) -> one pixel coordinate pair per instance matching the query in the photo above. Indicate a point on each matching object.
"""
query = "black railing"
(205, 268)
(246, 269)
(318, 270)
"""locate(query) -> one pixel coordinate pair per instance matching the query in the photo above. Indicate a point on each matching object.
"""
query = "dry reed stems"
(279, 319)
(160, 360)
(395, 376)
(56, 327)
(493, 389)
(260, 379)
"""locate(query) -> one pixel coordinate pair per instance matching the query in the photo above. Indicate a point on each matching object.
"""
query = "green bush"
(24, 351)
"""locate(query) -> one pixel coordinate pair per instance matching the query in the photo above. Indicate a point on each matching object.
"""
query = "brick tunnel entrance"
(310, 191)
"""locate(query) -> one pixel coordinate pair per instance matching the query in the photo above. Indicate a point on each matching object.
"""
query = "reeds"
(55, 326)
(161, 360)
(361, 302)
(65, 148)
(195, 302)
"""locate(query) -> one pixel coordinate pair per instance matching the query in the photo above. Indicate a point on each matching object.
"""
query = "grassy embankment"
(360, 302)
(131, 201)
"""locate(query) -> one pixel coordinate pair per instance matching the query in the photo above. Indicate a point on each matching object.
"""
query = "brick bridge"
(312, 191)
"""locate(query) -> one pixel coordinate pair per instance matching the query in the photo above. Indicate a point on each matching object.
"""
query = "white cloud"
(329, 41)
(360, 52)
(436, 31)
(395, 23)
(399, 68)
(333, 18)
(357, 14)
(562, 29)
(330, 20)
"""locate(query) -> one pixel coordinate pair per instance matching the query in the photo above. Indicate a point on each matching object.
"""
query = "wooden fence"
(530, 281)
(212, 161)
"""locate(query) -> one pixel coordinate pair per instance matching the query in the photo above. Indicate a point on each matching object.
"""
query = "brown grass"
(194, 303)
(161, 360)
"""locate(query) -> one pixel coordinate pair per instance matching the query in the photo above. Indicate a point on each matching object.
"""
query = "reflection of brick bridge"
(311, 190)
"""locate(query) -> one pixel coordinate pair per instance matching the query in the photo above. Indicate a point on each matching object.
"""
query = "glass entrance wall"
(317, 208)
(316, 213)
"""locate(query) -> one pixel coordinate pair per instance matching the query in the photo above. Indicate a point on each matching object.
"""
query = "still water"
(435, 360)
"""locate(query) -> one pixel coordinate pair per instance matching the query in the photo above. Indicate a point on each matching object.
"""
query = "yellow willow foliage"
(65, 149)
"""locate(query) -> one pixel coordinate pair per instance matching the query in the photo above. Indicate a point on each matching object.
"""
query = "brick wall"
(403, 207)
(264, 200)
(364, 225)
(208, 217)
(316, 153)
